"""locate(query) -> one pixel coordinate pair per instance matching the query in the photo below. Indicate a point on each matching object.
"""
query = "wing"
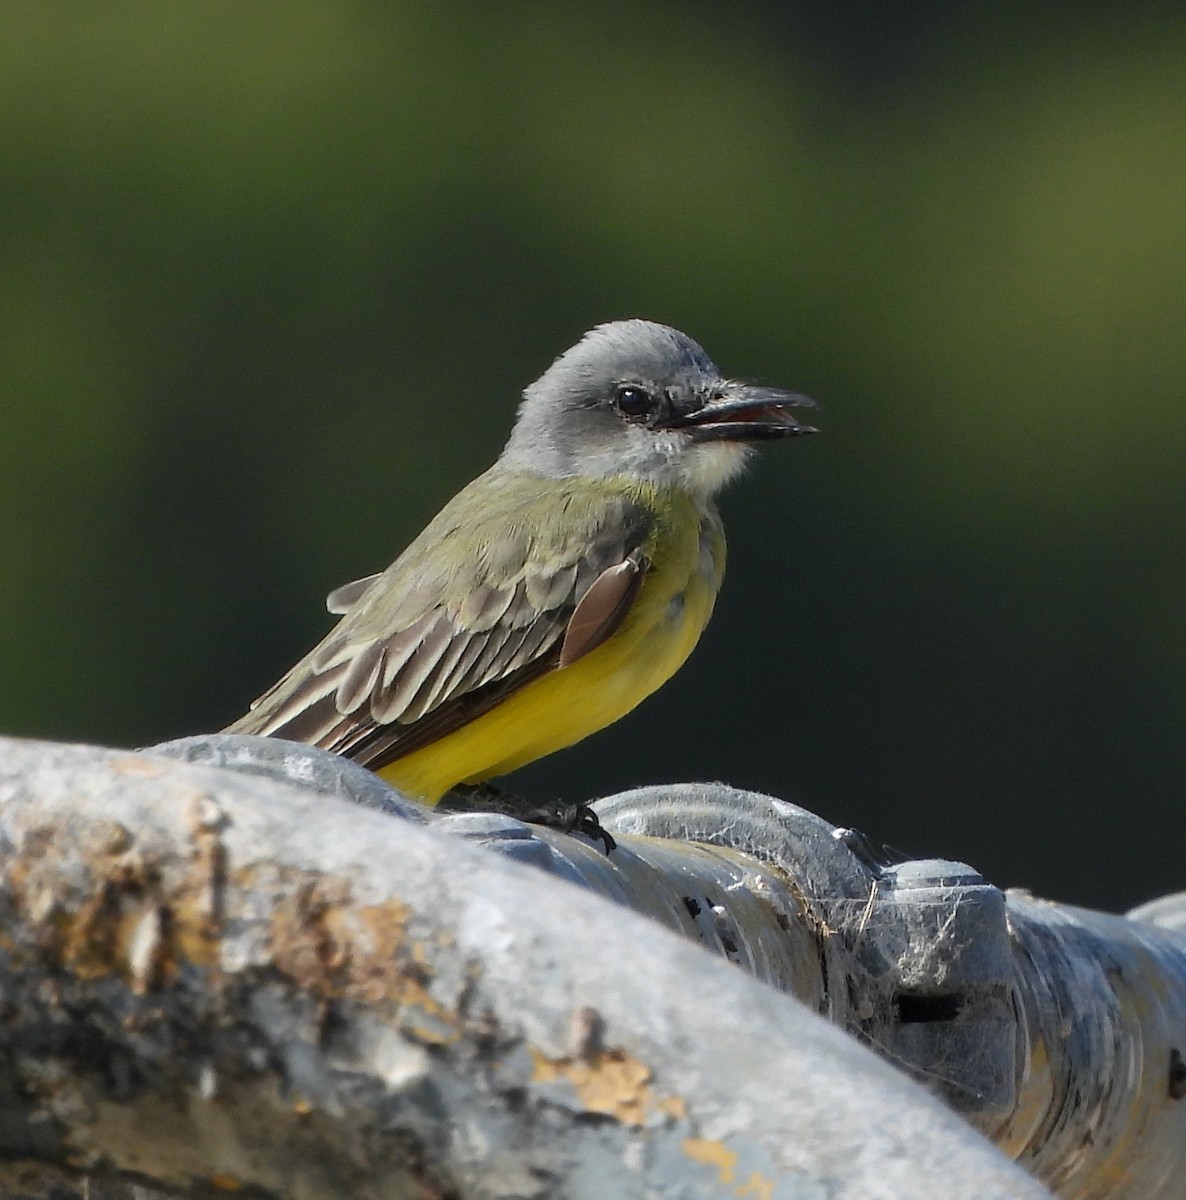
(344, 598)
(513, 579)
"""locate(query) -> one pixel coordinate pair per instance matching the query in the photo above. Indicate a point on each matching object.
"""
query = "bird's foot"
(552, 814)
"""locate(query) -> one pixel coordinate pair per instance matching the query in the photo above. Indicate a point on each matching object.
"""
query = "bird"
(554, 592)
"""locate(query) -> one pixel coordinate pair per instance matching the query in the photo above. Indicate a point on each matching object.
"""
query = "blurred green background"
(274, 275)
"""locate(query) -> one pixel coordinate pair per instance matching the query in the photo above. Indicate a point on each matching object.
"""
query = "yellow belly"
(561, 708)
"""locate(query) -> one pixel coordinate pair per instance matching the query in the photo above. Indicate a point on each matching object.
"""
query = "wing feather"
(436, 682)
(464, 676)
(601, 609)
(362, 672)
(442, 637)
(344, 598)
(392, 703)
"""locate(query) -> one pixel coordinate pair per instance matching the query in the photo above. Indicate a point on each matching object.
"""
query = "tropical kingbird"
(553, 593)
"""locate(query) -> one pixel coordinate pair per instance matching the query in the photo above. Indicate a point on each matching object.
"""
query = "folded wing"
(474, 609)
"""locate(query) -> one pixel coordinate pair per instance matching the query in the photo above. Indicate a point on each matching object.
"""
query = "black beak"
(744, 413)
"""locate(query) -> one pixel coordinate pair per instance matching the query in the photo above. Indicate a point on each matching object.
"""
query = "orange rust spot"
(129, 916)
(98, 938)
(126, 927)
(334, 949)
(712, 1154)
(139, 915)
(757, 1186)
(139, 765)
(717, 1154)
(609, 1082)
(302, 938)
(194, 922)
(88, 935)
(302, 1108)
(387, 963)
(226, 1183)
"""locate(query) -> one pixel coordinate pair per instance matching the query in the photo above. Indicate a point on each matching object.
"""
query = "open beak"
(746, 414)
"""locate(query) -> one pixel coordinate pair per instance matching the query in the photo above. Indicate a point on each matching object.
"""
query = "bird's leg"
(564, 815)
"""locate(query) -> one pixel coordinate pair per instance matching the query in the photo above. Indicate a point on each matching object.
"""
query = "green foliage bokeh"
(275, 274)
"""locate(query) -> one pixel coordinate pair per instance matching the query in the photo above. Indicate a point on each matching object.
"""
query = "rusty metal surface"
(221, 982)
(1057, 1032)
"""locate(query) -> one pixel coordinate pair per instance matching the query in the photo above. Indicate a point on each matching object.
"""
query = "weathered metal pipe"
(1057, 1031)
(217, 982)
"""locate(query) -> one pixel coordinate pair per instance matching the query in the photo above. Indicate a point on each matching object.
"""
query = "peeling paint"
(717, 1154)
(334, 949)
(140, 765)
(303, 943)
(757, 1186)
(304, 1055)
(612, 1083)
(130, 916)
(712, 1154)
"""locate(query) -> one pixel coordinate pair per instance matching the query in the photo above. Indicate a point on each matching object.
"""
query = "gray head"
(637, 399)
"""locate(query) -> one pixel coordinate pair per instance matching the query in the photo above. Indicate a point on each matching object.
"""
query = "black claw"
(584, 820)
(552, 814)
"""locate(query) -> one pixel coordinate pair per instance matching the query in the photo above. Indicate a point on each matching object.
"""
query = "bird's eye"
(633, 401)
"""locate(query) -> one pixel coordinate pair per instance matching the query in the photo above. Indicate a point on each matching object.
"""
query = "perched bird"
(554, 592)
